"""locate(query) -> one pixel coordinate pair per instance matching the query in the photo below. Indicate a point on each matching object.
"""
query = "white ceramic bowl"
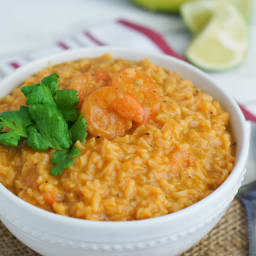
(54, 235)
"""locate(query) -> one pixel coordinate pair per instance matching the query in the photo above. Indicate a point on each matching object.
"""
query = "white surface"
(30, 24)
(251, 163)
(54, 235)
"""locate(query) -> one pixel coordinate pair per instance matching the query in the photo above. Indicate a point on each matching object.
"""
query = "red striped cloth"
(119, 33)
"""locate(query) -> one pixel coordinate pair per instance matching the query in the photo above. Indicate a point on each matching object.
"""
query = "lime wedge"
(161, 5)
(223, 43)
(244, 6)
(197, 14)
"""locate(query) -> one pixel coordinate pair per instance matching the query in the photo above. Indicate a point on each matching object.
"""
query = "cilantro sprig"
(16, 123)
(63, 160)
(50, 120)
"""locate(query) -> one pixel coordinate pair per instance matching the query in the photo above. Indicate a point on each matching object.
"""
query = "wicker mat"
(228, 238)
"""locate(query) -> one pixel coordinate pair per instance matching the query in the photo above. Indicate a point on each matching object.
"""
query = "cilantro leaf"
(48, 119)
(9, 139)
(63, 160)
(36, 140)
(16, 122)
(75, 152)
(51, 124)
(78, 130)
(66, 99)
(51, 82)
(38, 94)
(70, 115)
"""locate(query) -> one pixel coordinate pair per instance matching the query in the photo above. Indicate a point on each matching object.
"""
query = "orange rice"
(177, 158)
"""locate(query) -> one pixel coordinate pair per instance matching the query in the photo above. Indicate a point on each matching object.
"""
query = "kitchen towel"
(122, 33)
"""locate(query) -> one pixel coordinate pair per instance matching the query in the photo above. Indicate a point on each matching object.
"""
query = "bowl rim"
(83, 223)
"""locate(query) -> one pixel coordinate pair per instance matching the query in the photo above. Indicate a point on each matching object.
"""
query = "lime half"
(223, 43)
(244, 6)
(196, 15)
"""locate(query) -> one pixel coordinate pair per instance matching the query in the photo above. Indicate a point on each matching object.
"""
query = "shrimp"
(180, 158)
(81, 84)
(110, 111)
(85, 83)
(141, 86)
(101, 75)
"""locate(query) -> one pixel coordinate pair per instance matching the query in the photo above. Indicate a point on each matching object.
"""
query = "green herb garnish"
(50, 120)
(16, 123)
(80, 124)
(63, 160)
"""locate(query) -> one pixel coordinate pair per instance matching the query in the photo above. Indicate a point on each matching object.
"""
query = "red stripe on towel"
(247, 114)
(15, 65)
(63, 45)
(154, 36)
(94, 39)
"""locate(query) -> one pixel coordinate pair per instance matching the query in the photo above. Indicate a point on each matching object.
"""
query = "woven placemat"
(228, 238)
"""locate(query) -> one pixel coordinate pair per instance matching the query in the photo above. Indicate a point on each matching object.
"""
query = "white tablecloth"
(29, 25)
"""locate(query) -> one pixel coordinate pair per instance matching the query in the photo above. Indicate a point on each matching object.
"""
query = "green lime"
(161, 5)
(223, 43)
(245, 7)
(197, 14)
